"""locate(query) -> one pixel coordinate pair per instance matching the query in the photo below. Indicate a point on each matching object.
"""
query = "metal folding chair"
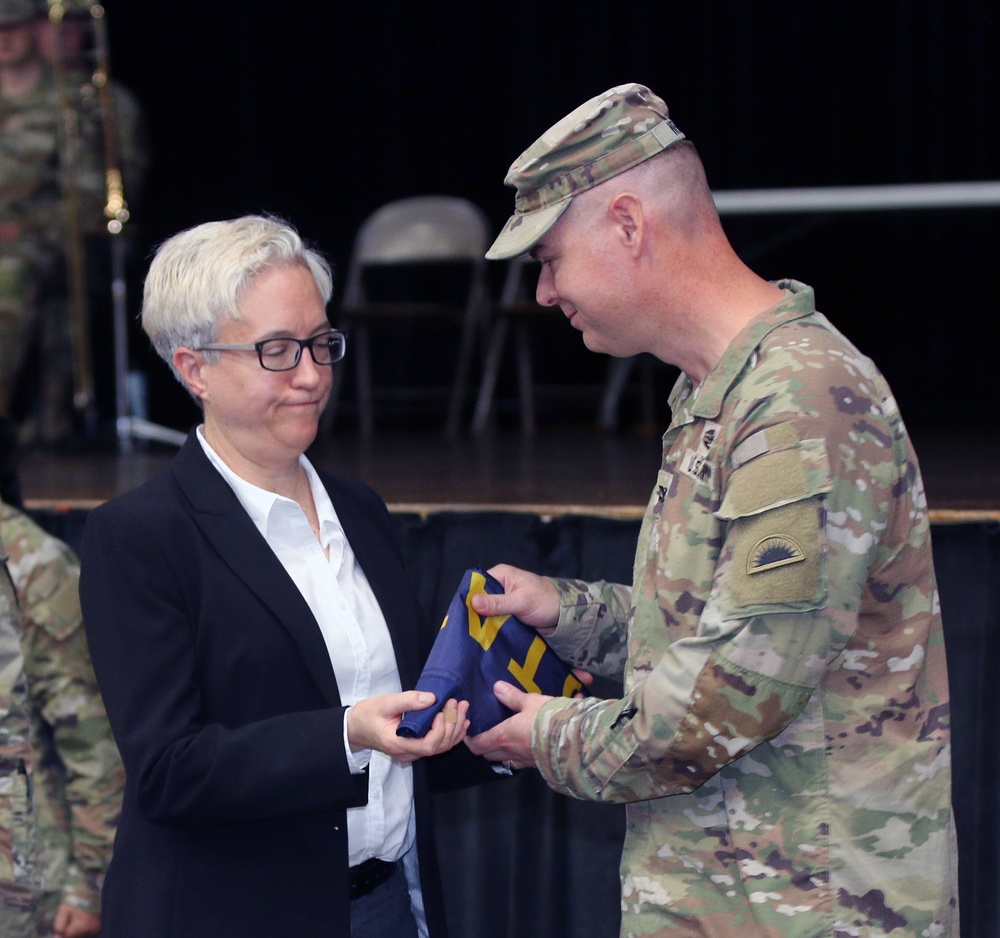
(423, 230)
(517, 308)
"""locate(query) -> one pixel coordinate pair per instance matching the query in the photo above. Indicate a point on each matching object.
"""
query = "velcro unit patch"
(776, 555)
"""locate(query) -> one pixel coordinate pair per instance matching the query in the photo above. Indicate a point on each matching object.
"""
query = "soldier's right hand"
(530, 597)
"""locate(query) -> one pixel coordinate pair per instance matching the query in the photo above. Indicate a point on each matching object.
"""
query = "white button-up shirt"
(357, 639)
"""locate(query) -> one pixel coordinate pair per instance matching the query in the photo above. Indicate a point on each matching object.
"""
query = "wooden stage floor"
(562, 469)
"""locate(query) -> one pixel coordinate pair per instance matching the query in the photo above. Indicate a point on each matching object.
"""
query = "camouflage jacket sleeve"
(20, 862)
(29, 184)
(592, 626)
(84, 159)
(74, 729)
(778, 508)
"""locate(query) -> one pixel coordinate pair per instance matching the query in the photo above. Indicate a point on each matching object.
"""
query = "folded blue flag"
(472, 652)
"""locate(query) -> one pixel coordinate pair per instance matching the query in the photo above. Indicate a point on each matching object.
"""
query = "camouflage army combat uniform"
(20, 867)
(783, 741)
(84, 167)
(29, 197)
(53, 184)
(83, 187)
(79, 771)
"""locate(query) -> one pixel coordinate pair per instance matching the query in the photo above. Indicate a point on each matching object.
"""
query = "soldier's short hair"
(197, 277)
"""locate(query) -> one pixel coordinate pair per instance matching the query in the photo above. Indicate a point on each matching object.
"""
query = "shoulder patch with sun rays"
(777, 558)
(773, 551)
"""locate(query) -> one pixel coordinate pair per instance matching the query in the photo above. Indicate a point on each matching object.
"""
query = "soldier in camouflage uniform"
(52, 167)
(80, 774)
(20, 863)
(31, 220)
(782, 743)
(67, 48)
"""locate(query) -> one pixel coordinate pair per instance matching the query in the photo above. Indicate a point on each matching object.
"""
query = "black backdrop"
(322, 111)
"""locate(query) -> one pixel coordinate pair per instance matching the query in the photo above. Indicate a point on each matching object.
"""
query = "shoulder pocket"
(773, 506)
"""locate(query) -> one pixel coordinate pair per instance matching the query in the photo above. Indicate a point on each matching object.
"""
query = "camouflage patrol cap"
(607, 135)
(15, 12)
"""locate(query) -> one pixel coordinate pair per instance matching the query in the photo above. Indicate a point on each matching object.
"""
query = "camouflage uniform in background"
(52, 162)
(79, 772)
(783, 741)
(29, 197)
(84, 167)
(20, 864)
(83, 185)
(85, 161)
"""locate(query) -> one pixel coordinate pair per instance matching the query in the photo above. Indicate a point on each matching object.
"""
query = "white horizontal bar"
(858, 198)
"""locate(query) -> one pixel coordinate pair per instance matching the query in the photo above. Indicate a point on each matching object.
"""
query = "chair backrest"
(421, 229)
(519, 280)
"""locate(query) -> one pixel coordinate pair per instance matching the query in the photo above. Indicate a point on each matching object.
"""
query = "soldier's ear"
(625, 215)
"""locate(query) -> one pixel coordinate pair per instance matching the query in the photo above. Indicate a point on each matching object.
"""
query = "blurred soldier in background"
(102, 128)
(31, 225)
(65, 125)
(69, 48)
(79, 775)
(20, 863)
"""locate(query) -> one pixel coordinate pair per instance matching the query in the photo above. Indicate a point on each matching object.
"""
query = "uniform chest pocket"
(773, 506)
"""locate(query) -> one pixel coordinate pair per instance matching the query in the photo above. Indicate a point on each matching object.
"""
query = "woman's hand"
(372, 723)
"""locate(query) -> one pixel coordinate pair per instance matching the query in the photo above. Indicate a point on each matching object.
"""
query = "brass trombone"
(116, 215)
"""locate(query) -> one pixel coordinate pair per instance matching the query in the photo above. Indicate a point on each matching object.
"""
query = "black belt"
(368, 876)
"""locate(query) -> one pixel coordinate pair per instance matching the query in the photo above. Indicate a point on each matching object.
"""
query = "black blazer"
(225, 707)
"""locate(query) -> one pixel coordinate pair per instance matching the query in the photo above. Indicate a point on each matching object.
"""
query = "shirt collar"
(260, 503)
(331, 532)
(704, 400)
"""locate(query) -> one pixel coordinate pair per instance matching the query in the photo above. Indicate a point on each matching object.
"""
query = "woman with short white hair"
(252, 629)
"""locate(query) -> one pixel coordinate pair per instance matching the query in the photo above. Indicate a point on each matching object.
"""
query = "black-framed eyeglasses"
(283, 354)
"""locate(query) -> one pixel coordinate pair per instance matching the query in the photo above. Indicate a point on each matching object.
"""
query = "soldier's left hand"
(509, 742)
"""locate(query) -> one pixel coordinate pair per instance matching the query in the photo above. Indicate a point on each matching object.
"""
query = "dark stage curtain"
(967, 559)
(521, 860)
(321, 112)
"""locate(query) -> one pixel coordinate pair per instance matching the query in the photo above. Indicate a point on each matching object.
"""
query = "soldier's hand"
(71, 922)
(530, 597)
(509, 742)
